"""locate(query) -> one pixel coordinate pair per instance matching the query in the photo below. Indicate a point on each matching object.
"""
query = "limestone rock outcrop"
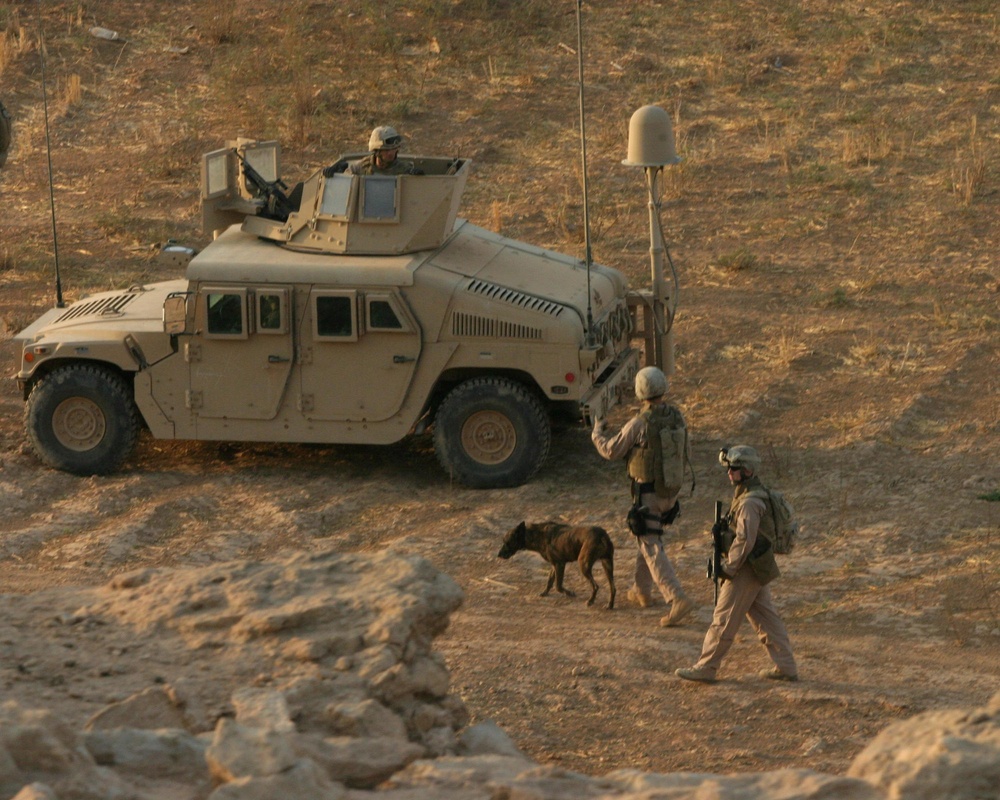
(320, 683)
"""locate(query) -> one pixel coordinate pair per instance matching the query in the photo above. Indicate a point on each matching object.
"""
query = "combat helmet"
(650, 382)
(384, 137)
(742, 456)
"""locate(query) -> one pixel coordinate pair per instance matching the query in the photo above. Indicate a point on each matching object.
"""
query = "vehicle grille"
(97, 308)
(615, 328)
(515, 298)
(473, 326)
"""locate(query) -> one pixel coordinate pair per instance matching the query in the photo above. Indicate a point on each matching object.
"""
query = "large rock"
(153, 708)
(361, 763)
(303, 781)
(238, 751)
(801, 784)
(167, 753)
(953, 754)
(39, 748)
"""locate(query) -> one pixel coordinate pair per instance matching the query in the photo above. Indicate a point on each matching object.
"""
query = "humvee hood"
(487, 256)
(135, 310)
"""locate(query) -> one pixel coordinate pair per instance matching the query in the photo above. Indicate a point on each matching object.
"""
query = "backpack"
(786, 527)
(663, 465)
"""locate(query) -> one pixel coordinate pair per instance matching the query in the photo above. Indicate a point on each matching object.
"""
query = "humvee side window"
(334, 317)
(378, 199)
(337, 196)
(225, 314)
(271, 312)
(382, 316)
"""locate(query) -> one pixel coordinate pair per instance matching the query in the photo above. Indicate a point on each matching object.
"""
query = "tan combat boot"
(680, 608)
(775, 674)
(695, 674)
(638, 598)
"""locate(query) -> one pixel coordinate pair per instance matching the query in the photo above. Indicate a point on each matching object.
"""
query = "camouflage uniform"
(652, 565)
(746, 593)
(367, 166)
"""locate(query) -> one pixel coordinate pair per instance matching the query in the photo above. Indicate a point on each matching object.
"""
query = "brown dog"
(559, 544)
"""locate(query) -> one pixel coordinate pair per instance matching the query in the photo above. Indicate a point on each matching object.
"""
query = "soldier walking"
(639, 443)
(747, 569)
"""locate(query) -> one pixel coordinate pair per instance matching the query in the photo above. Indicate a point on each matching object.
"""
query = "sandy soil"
(860, 356)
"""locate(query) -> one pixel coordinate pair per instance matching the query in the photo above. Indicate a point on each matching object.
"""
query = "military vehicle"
(351, 309)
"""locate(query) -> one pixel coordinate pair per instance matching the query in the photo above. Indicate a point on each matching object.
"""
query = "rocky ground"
(854, 343)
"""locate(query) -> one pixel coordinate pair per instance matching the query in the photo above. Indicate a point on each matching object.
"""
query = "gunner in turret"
(384, 144)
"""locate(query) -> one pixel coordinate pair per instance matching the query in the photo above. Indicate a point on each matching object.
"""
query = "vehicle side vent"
(515, 298)
(475, 326)
(97, 308)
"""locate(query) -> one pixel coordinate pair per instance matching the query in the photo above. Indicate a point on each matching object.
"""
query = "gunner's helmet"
(384, 137)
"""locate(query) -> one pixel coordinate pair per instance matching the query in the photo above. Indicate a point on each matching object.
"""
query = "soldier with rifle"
(743, 562)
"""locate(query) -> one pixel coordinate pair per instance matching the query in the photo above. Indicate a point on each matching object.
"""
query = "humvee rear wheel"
(81, 418)
(491, 432)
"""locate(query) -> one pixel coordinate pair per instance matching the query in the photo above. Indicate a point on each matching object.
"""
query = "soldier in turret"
(383, 144)
(748, 567)
(654, 497)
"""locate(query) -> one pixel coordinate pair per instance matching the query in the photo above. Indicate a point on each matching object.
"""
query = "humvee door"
(242, 352)
(359, 354)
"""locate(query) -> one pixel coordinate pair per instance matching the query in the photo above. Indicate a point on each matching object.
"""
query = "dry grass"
(15, 40)
(831, 221)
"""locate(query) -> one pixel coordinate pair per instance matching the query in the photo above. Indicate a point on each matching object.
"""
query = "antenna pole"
(48, 151)
(583, 152)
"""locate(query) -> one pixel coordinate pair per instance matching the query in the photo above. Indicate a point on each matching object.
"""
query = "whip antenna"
(583, 150)
(48, 152)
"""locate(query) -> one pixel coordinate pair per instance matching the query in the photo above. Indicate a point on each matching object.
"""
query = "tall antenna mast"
(651, 147)
(583, 151)
(48, 151)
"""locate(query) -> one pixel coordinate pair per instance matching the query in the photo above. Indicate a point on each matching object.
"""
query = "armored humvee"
(351, 309)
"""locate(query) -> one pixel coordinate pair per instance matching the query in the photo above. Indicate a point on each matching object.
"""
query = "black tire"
(491, 433)
(81, 418)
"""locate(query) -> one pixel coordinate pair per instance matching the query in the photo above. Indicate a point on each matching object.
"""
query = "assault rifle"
(277, 203)
(719, 548)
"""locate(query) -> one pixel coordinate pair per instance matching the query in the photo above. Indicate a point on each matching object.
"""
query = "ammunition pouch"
(638, 516)
(761, 561)
(636, 520)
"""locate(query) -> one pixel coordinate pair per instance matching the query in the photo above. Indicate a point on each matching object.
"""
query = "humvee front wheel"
(491, 433)
(81, 418)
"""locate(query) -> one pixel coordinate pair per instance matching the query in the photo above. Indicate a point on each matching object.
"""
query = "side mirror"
(175, 314)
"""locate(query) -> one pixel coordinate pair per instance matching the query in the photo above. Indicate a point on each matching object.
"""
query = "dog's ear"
(521, 527)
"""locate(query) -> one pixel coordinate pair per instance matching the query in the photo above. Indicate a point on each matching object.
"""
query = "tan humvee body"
(356, 310)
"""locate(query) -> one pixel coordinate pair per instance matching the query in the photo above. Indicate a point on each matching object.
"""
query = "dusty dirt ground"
(859, 353)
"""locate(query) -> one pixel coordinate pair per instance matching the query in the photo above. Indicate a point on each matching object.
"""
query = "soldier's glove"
(334, 169)
(719, 528)
(723, 575)
(600, 425)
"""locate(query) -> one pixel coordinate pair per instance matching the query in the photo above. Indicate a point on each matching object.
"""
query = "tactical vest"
(761, 560)
(660, 459)
(366, 166)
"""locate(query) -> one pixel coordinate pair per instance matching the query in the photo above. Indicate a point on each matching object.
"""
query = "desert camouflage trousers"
(652, 565)
(744, 596)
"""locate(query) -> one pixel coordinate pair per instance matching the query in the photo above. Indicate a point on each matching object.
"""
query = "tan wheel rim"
(488, 437)
(78, 424)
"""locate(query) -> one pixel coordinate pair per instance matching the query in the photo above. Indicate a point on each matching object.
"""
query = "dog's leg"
(609, 572)
(586, 562)
(552, 579)
(560, 571)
